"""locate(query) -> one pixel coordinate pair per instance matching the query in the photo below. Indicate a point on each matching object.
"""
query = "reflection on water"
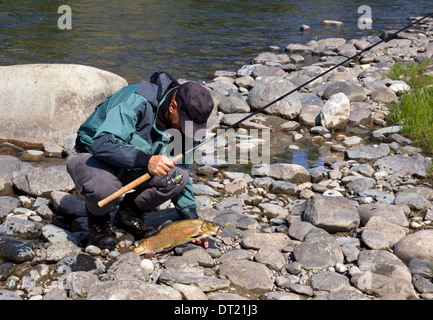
(308, 156)
(191, 39)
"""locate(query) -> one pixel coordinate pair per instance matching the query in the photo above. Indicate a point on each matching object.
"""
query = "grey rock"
(350, 252)
(201, 256)
(384, 263)
(421, 267)
(284, 171)
(68, 205)
(204, 190)
(299, 229)
(336, 111)
(49, 94)
(268, 71)
(225, 296)
(192, 277)
(318, 251)
(271, 257)
(260, 240)
(333, 214)
(15, 250)
(131, 290)
(58, 251)
(23, 229)
(273, 211)
(9, 295)
(330, 281)
(353, 91)
(383, 286)
(375, 240)
(283, 187)
(360, 116)
(421, 284)
(79, 283)
(361, 184)
(390, 232)
(310, 115)
(233, 104)
(415, 246)
(247, 274)
(415, 201)
(127, 267)
(384, 95)
(40, 182)
(235, 220)
(269, 89)
(246, 70)
(391, 213)
(190, 292)
(264, 57)
(367, 152)
(9, 166)
(79, 262)
(388, 130)
(181, 262)
(378, 196)
(7, 205)
(342, 295)
(56, 234)
(236, 255)
(404, 165)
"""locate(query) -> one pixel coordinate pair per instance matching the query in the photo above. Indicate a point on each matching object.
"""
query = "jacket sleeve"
(111, 141)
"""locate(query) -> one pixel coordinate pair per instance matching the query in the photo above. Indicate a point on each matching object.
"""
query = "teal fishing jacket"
(122, 131)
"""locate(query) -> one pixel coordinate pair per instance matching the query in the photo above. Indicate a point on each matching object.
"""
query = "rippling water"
(189, 38)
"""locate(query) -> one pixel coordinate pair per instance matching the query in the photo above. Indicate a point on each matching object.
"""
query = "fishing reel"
(175, 179)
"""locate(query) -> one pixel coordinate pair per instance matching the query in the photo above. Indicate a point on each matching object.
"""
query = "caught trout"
(177, 233)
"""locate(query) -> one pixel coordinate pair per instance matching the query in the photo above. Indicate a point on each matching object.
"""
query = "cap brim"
(191, 129)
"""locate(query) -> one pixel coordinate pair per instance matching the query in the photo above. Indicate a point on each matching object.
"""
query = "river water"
(190, 39)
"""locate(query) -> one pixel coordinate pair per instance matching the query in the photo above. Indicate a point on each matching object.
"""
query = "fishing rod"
(180, 156)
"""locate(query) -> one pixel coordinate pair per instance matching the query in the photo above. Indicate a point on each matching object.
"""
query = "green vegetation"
(415, 109)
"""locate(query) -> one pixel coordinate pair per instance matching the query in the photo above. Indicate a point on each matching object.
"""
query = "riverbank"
(357, 227)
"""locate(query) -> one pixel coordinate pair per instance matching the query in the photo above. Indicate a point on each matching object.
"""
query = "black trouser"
(96, 180)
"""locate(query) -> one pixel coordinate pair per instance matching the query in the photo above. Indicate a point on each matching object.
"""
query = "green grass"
(415, 109)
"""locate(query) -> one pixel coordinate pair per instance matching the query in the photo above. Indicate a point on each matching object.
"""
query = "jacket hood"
(159, 85)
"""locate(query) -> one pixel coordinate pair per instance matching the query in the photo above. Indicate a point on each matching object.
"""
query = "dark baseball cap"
(195, 105)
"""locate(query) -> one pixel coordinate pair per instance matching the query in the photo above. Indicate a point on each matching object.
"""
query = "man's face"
(172, 115)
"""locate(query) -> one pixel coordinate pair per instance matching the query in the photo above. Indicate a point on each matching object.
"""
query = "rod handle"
(131, 185)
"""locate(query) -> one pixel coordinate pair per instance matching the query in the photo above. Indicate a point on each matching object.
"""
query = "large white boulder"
(47, 102)
(336, 111)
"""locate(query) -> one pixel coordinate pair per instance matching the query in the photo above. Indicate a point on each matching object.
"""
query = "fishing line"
(307, 82)
(146, 176)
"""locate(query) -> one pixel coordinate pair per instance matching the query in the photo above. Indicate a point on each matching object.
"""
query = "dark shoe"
(102, 234)
(130, 219)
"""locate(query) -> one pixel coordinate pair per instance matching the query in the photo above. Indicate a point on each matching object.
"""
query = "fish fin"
(168, 248)
(149, 255)
(124, 250)
(197, 236)
(165, 224)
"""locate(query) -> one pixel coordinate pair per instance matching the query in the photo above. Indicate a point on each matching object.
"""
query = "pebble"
(351, 228)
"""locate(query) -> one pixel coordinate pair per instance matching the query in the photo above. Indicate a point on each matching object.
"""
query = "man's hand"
(159, 165)
(204, 241)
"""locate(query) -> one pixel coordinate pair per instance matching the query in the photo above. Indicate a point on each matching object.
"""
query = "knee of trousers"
(97, 189)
